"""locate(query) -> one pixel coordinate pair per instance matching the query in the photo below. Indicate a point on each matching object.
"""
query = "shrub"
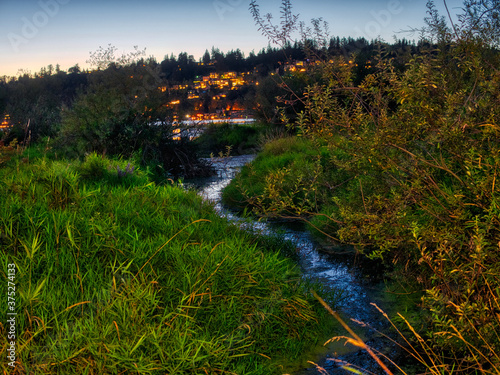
(216, 138)
(94, 167)
(412, 167)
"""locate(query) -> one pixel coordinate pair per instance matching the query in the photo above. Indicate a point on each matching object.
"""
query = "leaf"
(353, 370)
(138, 343)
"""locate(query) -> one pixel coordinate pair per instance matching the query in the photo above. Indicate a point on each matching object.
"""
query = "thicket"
(116, 274)
(405, 168)
(122, 113)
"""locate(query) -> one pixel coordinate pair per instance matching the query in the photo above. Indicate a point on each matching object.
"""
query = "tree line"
(117, 106)
(41, 96)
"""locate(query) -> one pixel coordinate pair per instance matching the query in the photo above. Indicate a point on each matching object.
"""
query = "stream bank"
(360, 281)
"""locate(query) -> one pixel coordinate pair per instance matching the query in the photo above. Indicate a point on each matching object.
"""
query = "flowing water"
(339, 269)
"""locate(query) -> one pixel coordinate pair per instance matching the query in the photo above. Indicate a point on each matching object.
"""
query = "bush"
(411, 171)
(94, 167)
(216, 138)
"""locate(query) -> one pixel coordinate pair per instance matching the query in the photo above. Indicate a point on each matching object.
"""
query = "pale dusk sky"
(36, 33)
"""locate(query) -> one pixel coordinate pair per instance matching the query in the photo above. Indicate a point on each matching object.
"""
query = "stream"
(338, 269)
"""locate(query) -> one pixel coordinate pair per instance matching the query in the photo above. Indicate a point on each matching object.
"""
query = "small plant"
(61, 182)
(93, 168)
(128, 171)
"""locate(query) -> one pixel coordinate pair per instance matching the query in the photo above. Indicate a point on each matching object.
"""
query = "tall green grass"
(118, 275)
(279, 154)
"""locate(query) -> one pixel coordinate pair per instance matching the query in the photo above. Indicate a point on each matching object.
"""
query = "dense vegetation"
(233, 139)
(116, 274)
(391, 148)
(403, 165)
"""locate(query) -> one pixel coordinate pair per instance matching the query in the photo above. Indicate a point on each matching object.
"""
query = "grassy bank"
(291, 177)
(346, 199)
(117, 275)
(286, 153)
(240, 139)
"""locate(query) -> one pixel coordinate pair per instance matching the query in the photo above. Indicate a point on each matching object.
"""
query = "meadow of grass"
(115, 274)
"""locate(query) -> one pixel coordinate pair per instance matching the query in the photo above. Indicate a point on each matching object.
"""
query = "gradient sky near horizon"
(36, 33)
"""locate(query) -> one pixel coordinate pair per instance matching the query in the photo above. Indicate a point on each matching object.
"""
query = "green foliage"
(217, 137)
(259, 179)
(286, 146)
(93, 168)
(406, 170)
(279, 93)
(117, 274)
(114, 115)
(99, 169)
(38, 101)
(121, 113)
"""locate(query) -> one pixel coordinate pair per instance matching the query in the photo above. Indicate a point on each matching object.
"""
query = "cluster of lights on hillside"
(6, 124)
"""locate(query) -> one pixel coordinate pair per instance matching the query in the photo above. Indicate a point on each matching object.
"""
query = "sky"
(36, 33)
